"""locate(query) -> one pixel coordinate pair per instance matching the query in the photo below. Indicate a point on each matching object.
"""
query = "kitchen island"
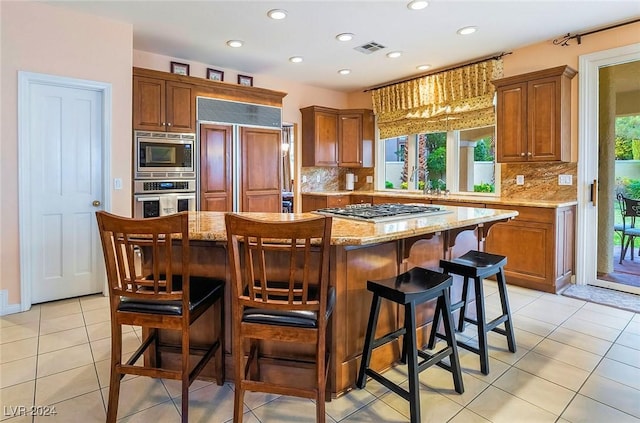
(359, 251)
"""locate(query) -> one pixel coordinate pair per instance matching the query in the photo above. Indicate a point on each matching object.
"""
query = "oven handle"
(141, 199)
(186, 197)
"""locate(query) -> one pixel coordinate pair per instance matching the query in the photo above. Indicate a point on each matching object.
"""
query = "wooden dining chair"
(630, 230)
(280, 277)
(157, 293)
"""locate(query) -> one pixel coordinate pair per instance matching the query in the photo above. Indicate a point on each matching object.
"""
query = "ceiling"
(197, 31)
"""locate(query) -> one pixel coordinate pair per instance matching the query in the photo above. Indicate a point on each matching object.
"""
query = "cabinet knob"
(529, 154)
(169, 124)
(164, 124)
(522, 154)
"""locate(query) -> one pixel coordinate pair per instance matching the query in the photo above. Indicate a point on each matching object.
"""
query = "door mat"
(609, 297)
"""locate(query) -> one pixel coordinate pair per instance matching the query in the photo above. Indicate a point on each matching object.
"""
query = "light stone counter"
(209, 226)
(488, 200)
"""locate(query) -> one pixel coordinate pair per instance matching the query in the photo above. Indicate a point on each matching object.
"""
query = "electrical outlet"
(304, 179)
(369, 179)
(318, 178)
(117, 183)
(519, 179)
(565, 180)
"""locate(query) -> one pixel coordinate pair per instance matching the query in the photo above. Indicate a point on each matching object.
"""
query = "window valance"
(455, 99)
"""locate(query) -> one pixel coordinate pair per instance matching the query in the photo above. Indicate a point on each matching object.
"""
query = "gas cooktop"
(382, 212)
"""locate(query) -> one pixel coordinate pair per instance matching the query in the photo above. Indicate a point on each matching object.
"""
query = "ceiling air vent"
(370, 47)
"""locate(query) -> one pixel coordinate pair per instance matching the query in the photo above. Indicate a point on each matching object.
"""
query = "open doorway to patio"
(618, 174)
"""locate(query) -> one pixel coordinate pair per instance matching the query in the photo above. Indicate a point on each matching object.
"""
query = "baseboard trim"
(6, 308)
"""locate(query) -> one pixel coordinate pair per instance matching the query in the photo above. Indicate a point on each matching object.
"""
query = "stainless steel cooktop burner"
(383, 212)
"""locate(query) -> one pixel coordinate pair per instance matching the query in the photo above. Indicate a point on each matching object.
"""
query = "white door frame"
(586, 238)
(25, 81)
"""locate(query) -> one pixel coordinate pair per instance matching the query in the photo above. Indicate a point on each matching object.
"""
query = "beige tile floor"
(576, 362)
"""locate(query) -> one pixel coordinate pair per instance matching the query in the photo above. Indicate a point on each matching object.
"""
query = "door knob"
(96, 203)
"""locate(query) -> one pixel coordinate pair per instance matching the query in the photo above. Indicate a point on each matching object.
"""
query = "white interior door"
(589, 67)
(64, 135)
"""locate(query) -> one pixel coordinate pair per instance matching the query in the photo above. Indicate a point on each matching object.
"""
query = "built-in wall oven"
(162, 197)
(164, 173)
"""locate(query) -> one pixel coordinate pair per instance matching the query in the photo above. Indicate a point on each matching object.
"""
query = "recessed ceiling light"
(417, 4)
(277, 14)
(345, 36)
(394, 54)
(295, 59)
(467, 30)
(344, 71)
(423, 67)
(235, 43)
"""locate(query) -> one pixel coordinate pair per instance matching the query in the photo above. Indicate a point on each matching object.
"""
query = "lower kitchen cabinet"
(311, 202)
(539, 245)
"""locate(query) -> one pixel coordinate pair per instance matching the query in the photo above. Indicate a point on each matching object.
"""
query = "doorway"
(64, 145)
(609, 88)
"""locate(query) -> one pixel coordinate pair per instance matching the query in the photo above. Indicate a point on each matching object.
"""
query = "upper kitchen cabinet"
(162, 105)
(332, 137)
(534, 116)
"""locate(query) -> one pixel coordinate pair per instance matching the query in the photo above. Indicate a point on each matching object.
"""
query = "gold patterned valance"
(456, 99)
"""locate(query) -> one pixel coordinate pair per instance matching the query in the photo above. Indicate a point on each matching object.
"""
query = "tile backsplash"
(320, 179)
(540, 181)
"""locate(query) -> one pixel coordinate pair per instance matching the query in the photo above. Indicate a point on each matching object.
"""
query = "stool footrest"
(387, 338)
(431, 359)
(461, 344)
(388, 383)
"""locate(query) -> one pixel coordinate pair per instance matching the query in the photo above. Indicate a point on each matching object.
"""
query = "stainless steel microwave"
(164, 155)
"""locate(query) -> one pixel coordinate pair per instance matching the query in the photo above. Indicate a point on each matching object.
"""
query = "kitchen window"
(460, 161)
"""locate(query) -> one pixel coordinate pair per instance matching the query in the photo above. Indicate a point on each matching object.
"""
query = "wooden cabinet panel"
(160, 105)
(180, 111)
(215, 168)
(539, 244)
(350, 140)
(527, 246)
(512, 122)
(437, 201)
(260, 174)
(148, 104)
(319, 136)
(332, 137)
(360, 199)
(533, 116)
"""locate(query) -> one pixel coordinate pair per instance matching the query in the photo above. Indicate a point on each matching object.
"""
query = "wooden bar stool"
(478, 265)
(413, 287)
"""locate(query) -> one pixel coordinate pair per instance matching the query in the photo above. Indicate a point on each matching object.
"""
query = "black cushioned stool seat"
(413, 287)
(478, 265)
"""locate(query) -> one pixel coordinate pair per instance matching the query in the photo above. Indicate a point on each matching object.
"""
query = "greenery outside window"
(459, 161)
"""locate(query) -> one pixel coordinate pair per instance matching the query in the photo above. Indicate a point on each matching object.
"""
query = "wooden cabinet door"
(180, 110)
(148, 104)
(543, 131)
(350, 140)
(215, 168)
(260, 164)
(511, 121)
(319, 136)
(312, 202)
(529, 248)
(326, 139)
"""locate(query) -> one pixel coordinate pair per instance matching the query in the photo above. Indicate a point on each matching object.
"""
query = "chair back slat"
(284, 264)
(140, 256)
(630, 209)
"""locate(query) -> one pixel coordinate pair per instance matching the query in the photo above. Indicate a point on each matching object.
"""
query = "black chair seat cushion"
(293, 318)
(475, 264)
(203, 292)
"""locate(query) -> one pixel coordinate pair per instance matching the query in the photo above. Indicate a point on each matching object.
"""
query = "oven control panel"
(157, 186)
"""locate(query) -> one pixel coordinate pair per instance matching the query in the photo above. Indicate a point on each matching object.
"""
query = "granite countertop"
(210, 226)
(457, 197)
